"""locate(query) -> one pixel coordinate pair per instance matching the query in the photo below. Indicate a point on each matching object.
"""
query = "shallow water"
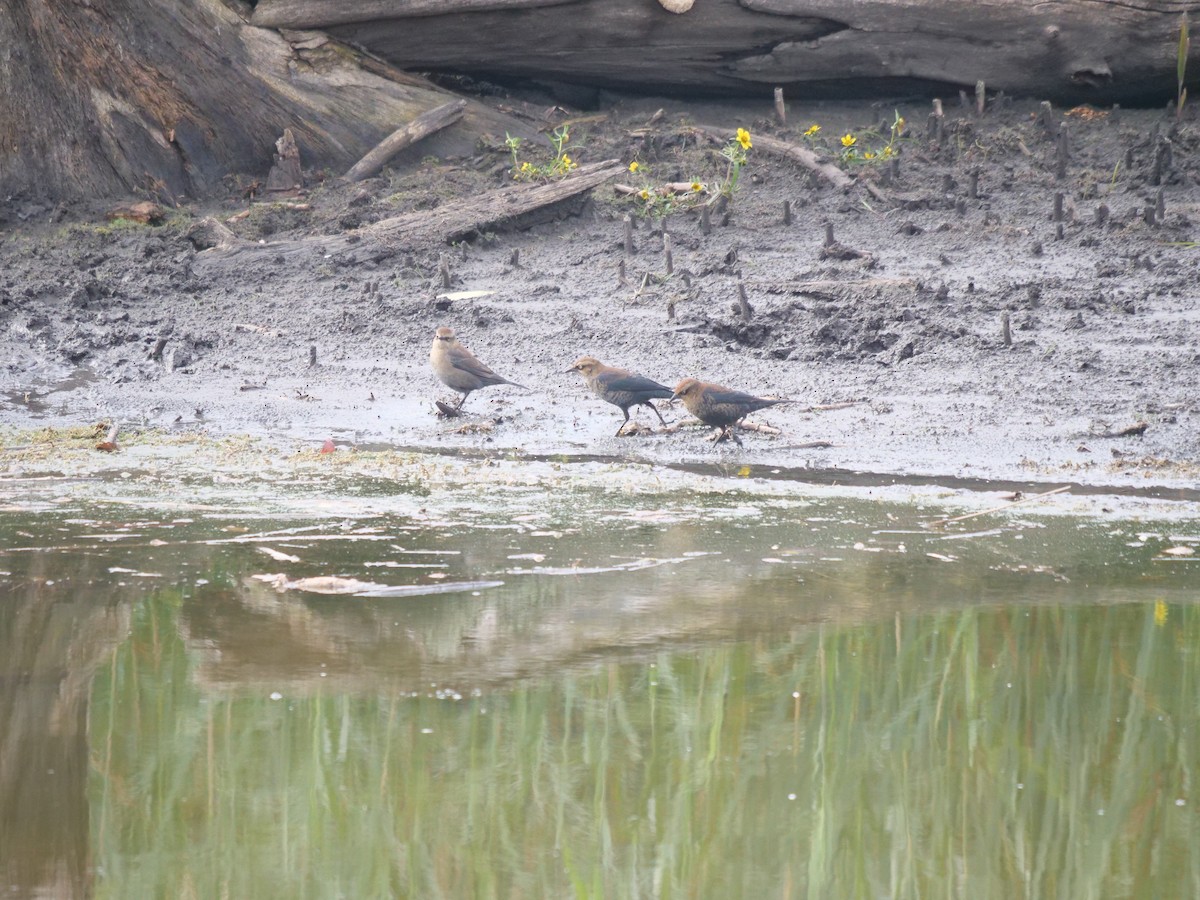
(590, 690)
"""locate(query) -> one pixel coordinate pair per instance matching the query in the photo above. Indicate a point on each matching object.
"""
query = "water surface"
(586, 689)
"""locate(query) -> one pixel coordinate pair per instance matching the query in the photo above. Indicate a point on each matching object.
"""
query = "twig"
(794, 153)
(830, 407)
(938, 523)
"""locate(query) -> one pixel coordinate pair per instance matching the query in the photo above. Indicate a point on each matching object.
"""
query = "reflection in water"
(799, 702)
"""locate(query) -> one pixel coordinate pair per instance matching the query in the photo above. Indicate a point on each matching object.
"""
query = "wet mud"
(985, 311)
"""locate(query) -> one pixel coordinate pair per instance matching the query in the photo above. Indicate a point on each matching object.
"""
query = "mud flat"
(989, 311)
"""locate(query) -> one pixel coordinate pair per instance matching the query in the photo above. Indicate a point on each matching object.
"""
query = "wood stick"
(1062, 151)
(668, 263)
(627, 224)
(780, 110)
(980, 98)
(938, 523)
(793, 153)
(421, 127)
(743, 302)
(829, 407)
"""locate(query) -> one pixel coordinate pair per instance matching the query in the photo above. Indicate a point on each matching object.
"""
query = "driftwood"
(421, 127)
(452, 221)
(797, 154)
(1099, 50)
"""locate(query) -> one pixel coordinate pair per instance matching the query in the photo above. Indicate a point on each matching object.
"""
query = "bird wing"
(635, 384)
(465, 361)
(738, 397)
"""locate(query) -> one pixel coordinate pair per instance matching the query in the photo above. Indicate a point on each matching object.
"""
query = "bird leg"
(657, 413)
(461, 400)
(623, 424)
(725, 433)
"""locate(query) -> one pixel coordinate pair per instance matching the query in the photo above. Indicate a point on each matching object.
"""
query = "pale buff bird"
(457, 367)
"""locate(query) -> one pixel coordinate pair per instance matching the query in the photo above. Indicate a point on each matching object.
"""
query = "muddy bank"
(101, 321)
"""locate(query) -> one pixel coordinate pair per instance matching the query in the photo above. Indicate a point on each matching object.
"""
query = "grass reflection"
(1036, 752)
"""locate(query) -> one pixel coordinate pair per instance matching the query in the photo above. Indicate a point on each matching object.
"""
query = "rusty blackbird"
(719, 406)
(621, 387)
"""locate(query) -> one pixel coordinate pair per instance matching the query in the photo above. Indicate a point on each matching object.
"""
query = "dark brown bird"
(620, 387)
(458, 369)
(719, 406)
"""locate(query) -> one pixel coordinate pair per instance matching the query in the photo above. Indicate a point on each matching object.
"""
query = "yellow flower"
(526, 166)
(849, 140)
(900, 124)
(887, 151)
(633, 166)
(697, 187)
(743, 138)
(566, 161)
(868, 155)
(1160, 613)
(644, 194)
(812, 129)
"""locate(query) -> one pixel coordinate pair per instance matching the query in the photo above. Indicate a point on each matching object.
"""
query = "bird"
(621, 387)
(459, 369)
(719, 406)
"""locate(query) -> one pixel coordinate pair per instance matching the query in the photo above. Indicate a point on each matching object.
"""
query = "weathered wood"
(324, 13)
(285, 174)
(167, 98)
(452, 221)
(795, 153)
(421, 127)
(1084, 49)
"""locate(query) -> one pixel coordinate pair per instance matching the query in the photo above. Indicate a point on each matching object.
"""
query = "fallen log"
(1095, 50)
(421, 127)
(166, 98)
(452, 221)
(466, 217)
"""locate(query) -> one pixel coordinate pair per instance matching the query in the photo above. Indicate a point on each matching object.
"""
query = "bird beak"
(674, 397)
(570, 370)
